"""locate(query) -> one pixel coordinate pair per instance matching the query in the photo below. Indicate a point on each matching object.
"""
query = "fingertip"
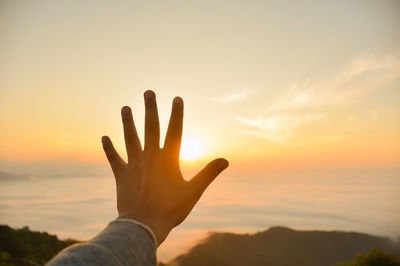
(125, 110)
(204, 178)
(222, 164)
(178, 100)
(149, 94)
(105, 140)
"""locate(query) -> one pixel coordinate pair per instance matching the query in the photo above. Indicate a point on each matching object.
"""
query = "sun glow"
(191, 149)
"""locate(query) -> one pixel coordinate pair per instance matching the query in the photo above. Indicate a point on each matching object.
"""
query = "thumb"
(201, 181)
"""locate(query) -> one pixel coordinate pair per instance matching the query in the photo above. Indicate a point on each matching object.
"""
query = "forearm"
(121, 243)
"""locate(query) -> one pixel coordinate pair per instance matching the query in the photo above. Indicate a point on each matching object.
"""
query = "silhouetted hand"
(150, 187)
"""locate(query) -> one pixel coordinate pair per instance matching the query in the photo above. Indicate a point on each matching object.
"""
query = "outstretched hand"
(150, 186)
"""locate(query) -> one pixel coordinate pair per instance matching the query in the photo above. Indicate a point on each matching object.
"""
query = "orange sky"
(264, 84)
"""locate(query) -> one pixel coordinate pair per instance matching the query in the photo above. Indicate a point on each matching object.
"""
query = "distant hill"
(280, 246)
(9, 176)
(26, 247)
(56, 167)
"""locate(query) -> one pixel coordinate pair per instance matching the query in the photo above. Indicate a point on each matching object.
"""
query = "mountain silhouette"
(281, 246)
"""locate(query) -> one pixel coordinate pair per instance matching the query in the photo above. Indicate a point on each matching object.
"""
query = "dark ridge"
(26, 247)
(281, 246)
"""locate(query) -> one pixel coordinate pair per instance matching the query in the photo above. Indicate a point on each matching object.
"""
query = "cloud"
(306, 102)
(233, 97)
(344, 86)
(276, 128)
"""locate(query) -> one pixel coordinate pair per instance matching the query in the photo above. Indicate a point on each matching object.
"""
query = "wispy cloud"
(342, 87)
(307, 102)
(233, 97)
(277, 128)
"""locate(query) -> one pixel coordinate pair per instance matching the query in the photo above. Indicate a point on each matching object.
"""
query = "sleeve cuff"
(145, 227)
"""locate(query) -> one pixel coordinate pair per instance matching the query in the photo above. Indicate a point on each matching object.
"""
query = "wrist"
(149, 231)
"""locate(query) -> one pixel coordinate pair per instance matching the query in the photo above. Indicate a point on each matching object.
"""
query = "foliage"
(271, 247)
(373, 258)
(22, 246)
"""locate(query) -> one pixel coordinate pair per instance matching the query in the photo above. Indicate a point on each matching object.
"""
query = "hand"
(150, 186)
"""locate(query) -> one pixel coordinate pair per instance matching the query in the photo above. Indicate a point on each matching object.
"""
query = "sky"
(302, 98)
(265, 83)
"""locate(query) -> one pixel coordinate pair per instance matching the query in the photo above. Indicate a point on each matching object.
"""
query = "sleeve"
(122, 242)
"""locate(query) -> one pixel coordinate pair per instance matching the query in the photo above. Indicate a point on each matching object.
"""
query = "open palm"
(150, 186)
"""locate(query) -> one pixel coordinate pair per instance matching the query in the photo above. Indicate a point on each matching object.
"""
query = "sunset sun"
(191, 149)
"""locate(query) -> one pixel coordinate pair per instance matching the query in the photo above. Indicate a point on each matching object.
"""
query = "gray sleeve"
(120, 243)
